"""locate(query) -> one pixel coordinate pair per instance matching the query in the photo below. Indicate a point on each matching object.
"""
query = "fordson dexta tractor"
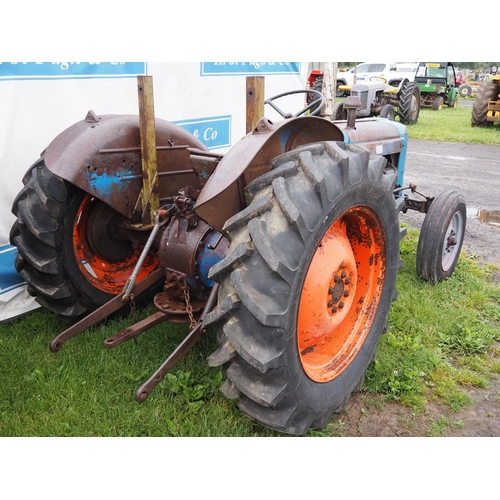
(287, 246)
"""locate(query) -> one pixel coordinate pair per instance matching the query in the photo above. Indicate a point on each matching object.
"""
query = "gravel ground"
(474, 171)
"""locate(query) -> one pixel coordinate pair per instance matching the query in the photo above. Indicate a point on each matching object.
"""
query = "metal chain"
(132, 310)
(189, 307)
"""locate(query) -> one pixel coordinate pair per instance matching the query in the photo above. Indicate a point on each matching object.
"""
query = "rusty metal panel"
(378, 136)
(102, 156)
(223, 196)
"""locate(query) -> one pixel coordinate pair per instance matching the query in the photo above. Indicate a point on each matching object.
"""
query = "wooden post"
(150, 189)
(255, 101)
(329, 87)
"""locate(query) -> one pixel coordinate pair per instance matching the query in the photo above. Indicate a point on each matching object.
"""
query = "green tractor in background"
(437, 83)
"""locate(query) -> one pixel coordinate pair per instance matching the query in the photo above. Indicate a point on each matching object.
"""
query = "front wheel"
(441, 237)
(437, 105)
(465, 90)
(341, 93)
(307, 284)
(389, 112)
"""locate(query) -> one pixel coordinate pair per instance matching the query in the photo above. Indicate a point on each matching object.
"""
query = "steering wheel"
(319, 98)
(379, 78)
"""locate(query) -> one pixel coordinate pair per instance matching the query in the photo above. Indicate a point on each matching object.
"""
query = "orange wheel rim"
(109, 277)
(341, 293)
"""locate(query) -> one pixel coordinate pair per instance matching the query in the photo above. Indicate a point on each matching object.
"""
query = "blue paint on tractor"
(107, 185)
(209, 256)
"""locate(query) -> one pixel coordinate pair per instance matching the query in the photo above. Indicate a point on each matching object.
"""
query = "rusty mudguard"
(223, 195)
(102, 156)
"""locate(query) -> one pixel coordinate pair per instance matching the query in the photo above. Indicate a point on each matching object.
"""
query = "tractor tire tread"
(253, 337)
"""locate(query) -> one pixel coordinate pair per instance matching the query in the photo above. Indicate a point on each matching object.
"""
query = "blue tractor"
(287, 246)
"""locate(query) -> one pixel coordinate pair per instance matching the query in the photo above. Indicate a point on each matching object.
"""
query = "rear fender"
(102, 156)
(223, 195)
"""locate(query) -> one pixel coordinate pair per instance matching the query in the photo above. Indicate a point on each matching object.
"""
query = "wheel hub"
(338, 290)
(451, 241)
(105, 270)
(341, 293)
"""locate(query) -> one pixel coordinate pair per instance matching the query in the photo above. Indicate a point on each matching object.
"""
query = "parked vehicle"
(437, 83)
(287, 246)
(486, 107)
(377, 98)
(460, 78)
(403, 71)
(361, 72)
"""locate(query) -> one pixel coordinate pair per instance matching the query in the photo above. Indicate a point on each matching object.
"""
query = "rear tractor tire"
(409, 103)
(67, 252)
(307, 284)
(318, 86)
(487, 92)
(441, 237)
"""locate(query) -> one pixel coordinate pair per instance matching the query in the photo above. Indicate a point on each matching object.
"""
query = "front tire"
(437, 105)
(389, 112)
(465, 90)
(441, 237)
(307, 284)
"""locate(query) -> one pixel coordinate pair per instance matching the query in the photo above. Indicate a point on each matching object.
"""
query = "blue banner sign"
(9, 279)
(249, 68)
(69, 70)
(214, 132)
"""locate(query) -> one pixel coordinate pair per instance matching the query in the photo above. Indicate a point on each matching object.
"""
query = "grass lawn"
(453, 125)
(443, 339)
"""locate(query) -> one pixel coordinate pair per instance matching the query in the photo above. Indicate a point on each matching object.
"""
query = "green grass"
(443, 339)
(452, 125)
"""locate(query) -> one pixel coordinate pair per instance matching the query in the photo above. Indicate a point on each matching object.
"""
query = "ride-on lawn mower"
(287, 245)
